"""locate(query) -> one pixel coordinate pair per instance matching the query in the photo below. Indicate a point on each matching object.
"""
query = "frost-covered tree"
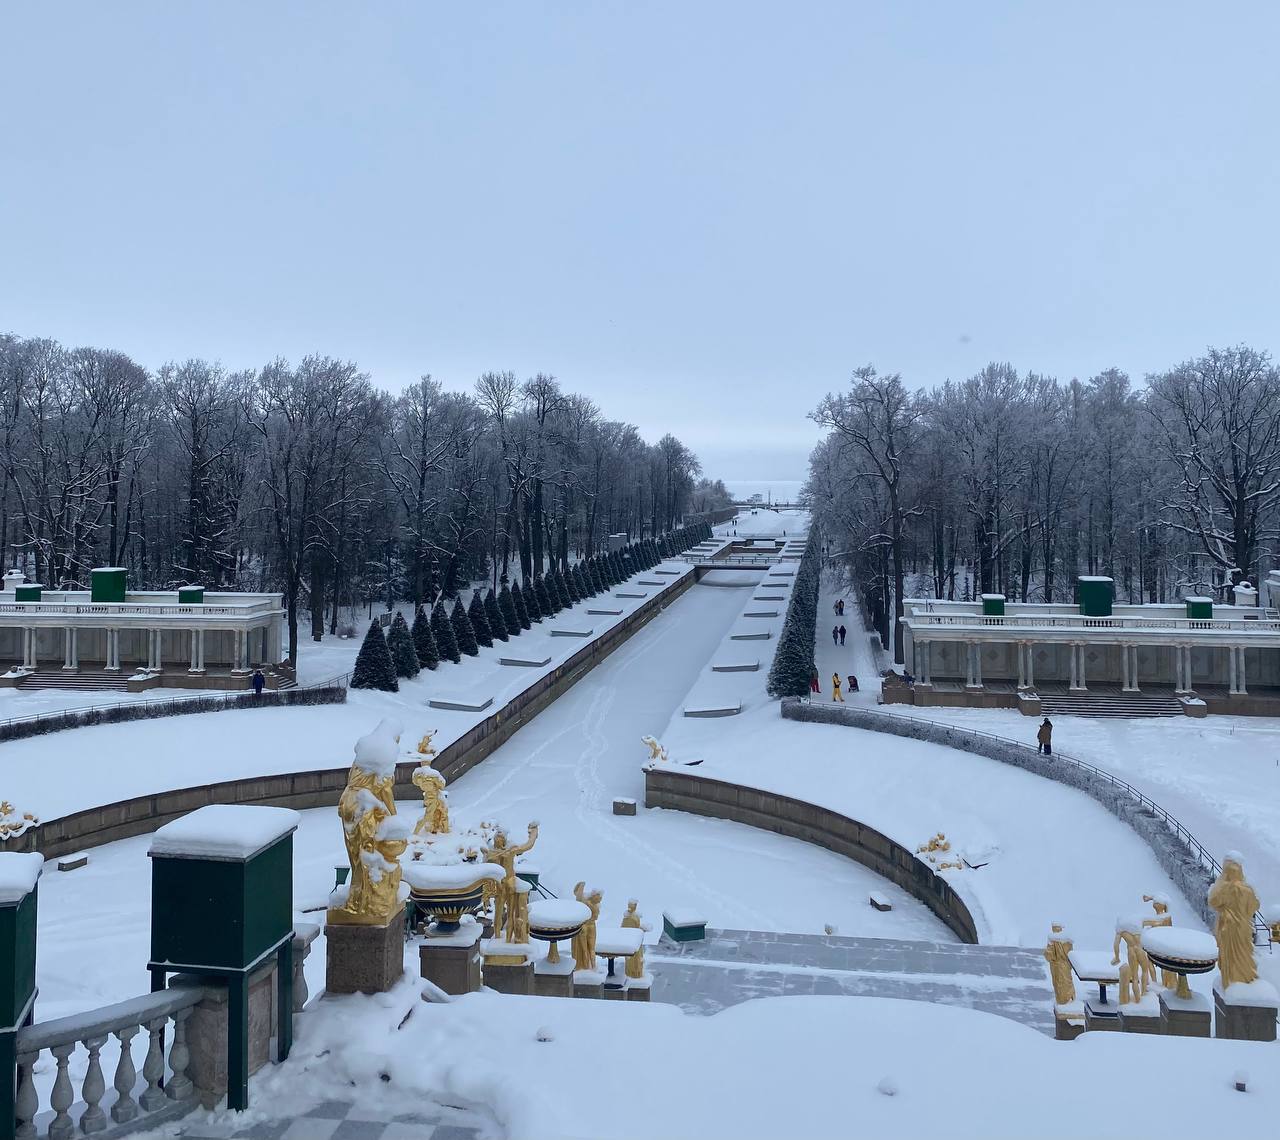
(374, 666)
(528, 609)
(497, 624)
(522, 608)
(507, 604)
(480, 621)
(547, 605)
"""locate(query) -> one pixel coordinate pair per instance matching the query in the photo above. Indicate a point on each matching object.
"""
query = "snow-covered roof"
(224, 831)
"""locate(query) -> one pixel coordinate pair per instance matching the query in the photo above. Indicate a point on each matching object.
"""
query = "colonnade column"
(197, 651)
(974, 656)
(1026, 666)
(113, 651)
(1077, 666)
(29, 647)
(71, 645)
(1182, 668)
(1129, 668)
(241, 651)
(1235, 670)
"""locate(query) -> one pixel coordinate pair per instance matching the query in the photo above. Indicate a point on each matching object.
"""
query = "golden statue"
(504, 896)
(1235, 902)
(426, 749)
(1057, 954)
(938, 843)
(374, 845)
(435, 808)
(1162, 917)
(1137, 973)
(584, 942)
(656, 751)
(632, 919)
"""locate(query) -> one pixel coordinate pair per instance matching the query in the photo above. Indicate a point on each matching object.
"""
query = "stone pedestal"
(615, 993)
(508, 977)
(588, 984)
(1068, 1021)
(1101, 1016)
(1184, 1017)
(553, 979)
(1238, 1021)
(624, 807)
(1142, 1017)
(639, 989)
(452, 961)
(207, 1030)
(364, 959)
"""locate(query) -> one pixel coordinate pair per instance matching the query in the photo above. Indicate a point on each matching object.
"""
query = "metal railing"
(1179, 829)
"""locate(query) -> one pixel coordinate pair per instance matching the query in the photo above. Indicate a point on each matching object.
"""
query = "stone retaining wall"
(1180, 863)
(321, 788)
(675, 788)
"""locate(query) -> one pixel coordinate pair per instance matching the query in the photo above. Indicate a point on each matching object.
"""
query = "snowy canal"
(563, 769)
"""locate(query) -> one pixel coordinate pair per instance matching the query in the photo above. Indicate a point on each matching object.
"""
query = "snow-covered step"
(461, 704)
(769, 598)
(760, 613)
(526, 662)
(604, 611)
(84, 681)
(572, 631)
(783, 572)
(735, 666)
(649, 582)
(630, 594)
(673, 573)
(763, 635)
(714, 710)
(1111, 704)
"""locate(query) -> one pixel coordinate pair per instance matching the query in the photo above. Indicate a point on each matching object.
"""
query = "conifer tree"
(424, 641)
(403, 654)
(522, 608)
(528, 607)
(508, 607)
(581, 582)
(462, 630)
(446, 640)
(570, 586)
(480, 621)
(546, 603)
(497, 623)
(562, 588)
(374, 667)
(593, 575)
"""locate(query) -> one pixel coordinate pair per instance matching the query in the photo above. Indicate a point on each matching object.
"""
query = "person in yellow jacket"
(835, 688)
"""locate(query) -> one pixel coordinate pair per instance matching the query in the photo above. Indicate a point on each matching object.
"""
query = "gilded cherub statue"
(656, 751)
(1057, 953)
(938, 843)
(1137, 973)
(635, 962)
(1235, 901)
(584, 942)
(426, 749)
(504, 854)
(435, 806)
(374, 842)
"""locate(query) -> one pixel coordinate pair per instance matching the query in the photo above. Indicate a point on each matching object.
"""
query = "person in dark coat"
(815, 686)
(853, 683)
(842, 631)
(258, 682)
(835, 635)
(1044, 738)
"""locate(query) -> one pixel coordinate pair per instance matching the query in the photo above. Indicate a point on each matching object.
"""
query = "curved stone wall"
(322, 787)
(786, 815)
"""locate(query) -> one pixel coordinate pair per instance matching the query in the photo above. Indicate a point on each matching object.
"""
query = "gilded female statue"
(1235, 902)
(1162, 917)
(1057, 954)
(505, 904)
(584, 942)
(435, 807)
(635, 962)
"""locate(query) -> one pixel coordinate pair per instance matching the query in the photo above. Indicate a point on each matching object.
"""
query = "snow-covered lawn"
(777, 1067)
(563, 769)
(79, 768)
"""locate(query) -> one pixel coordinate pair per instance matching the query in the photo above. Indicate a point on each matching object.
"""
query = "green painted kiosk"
(221, 906)
(19, 872)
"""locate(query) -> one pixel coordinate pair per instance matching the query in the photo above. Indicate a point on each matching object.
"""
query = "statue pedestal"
(362, 959)
(588, 984)
(1253, 1019)
(207, 1030)
(1184, 1017)
(553, 979)
(638, 989)
(1099, 1015)
(452, 961)
(1142, 1016)
(1068, 1021)
(506, 967)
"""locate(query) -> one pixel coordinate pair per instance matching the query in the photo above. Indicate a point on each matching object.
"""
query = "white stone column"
(968, 664)
(70, 657)
(29, 646)
(159, 665)
(113, 651)
(977, 663)
(1240, 683)
(191, 633)
(924, 663)
(240, 653)
(1131, 655)
(1126, 682)
(200, 651)
(1031, 665)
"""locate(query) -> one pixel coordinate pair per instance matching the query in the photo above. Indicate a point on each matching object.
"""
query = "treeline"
(1017, 483)
(309, 479)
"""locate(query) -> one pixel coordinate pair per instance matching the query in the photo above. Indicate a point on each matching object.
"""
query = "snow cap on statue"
(377, 751)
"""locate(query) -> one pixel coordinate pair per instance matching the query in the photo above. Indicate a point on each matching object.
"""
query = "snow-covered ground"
(764, 522)
(563, 769)
(79, 768)
(777, 1067)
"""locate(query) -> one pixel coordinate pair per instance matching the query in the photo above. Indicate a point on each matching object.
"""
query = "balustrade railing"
(168, 1091)
(919, 620)
(141, 609)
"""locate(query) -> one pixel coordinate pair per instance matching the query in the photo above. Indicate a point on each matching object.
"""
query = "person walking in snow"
(258, 681)
(1044, 738)
(835, 688)
(853, 683)
(815, 686)
(842, 631)
(835, 635)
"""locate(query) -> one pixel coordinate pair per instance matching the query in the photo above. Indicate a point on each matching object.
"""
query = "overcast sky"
(702, 215)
